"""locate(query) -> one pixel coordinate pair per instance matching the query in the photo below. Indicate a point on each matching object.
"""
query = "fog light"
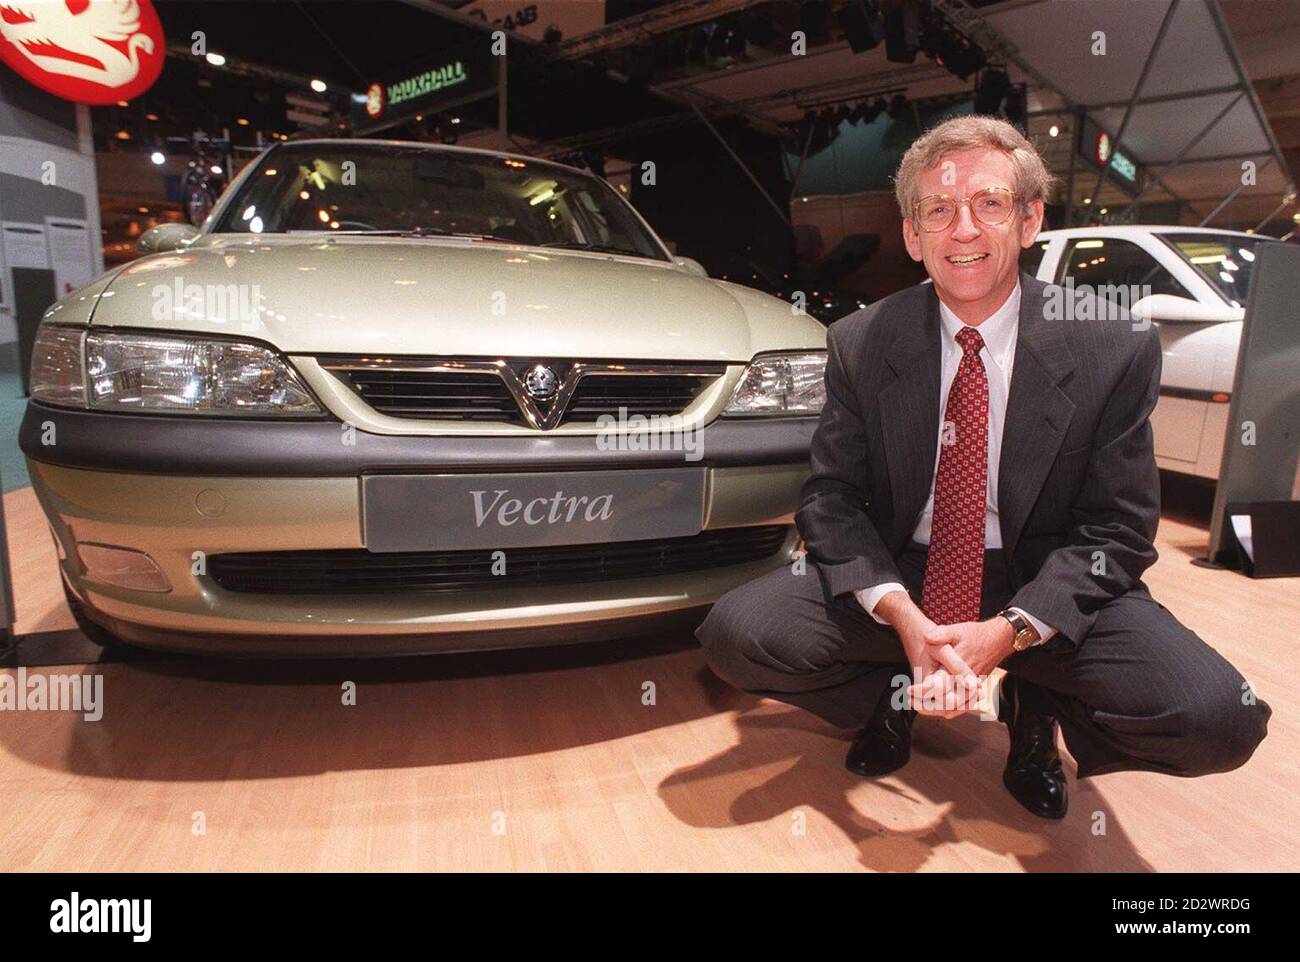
(122, 567)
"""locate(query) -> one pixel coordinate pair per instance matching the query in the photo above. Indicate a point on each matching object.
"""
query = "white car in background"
(1199, 279)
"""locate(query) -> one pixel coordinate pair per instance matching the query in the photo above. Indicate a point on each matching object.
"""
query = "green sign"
(444, 83)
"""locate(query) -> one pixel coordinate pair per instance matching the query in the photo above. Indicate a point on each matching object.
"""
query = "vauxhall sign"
(444, 83)
(1098, 148)
(380, 97)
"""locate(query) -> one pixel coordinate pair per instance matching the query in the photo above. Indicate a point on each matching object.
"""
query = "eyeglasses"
(990, 206)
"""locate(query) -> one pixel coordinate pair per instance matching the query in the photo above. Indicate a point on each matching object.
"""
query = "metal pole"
(1128, 109)
(1075, 134)
(803, 156)
(1229, 199)
(1159, 178)
(1287, 200)
(741, 164)
(503, 133)
(8, 642)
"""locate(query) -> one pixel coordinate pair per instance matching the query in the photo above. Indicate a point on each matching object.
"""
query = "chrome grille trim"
(542, 417)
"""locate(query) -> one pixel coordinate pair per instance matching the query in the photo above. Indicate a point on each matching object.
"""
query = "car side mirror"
(692, 265)
(1173, 309)
(166, 237)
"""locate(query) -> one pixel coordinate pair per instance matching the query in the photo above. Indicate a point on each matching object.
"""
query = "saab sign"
(533, 18)
(88, 51)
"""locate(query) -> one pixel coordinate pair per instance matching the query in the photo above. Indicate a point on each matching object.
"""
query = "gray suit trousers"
(1140, 692)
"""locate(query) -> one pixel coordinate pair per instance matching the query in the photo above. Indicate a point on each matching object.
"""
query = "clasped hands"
(949, 662)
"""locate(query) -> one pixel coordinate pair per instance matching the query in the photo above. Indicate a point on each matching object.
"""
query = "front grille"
(436, 395)
(644, 394)
(357, 571)
(455, 389)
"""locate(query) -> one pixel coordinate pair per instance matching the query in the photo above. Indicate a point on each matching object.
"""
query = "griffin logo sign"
(88, 51)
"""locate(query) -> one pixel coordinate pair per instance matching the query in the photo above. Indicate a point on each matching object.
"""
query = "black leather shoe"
(885, 744)
(1033, 774)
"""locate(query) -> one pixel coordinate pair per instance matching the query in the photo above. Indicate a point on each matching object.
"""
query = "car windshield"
(395, 189)
(1224, 260)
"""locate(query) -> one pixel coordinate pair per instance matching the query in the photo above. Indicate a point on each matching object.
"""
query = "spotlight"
(736, 44)
(1015, 109)
(902, 32)
(1053, 131)
(862, 24)
(815, 21)
(216, 59)
(989, 91)
(898, 108)
(552, 34)
(718, 42)
(952, 50)
(699, 48)
(823, 131)
(158, 157)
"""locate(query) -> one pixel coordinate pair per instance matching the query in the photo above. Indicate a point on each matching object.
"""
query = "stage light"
(1015, 108)
(862, 24)
(989, 91)
(902, 32)
(815, 20)
(717, 46)
(952, 50)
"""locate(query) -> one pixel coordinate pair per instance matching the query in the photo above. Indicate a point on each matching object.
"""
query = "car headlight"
(791, 383)
(57, 373)
(164, 374)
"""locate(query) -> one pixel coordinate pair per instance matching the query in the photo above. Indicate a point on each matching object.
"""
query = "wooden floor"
(552, 761)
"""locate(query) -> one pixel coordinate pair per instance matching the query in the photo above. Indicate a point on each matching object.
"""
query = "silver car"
(397, 398)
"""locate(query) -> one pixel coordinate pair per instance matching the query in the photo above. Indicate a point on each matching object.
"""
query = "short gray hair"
(1032, 179)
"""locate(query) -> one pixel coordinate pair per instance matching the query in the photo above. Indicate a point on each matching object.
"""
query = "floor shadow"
(184, 718)
(787, 761)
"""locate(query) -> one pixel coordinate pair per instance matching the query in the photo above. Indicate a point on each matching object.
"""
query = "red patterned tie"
(954, 571)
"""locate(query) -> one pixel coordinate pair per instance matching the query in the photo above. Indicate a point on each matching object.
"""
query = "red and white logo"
(87, 51)
(375, 100)
(1103, 147)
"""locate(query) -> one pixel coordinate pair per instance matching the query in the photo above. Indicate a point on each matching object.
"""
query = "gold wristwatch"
(1026, 634)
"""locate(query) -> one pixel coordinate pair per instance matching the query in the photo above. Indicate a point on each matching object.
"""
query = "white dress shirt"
(999, 331)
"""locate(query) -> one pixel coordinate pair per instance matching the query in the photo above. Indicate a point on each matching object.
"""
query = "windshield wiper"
(412, 232)
(584, 246)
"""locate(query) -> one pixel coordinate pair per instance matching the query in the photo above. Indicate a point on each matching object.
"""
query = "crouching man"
(984, 494)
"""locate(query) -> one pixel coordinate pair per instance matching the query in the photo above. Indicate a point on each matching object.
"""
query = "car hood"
(447, 296)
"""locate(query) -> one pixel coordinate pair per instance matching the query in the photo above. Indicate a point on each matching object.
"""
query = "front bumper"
(184, 489)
